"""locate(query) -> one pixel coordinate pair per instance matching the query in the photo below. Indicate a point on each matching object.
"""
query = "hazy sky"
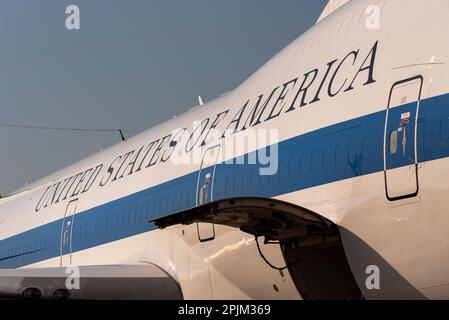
(132, 64)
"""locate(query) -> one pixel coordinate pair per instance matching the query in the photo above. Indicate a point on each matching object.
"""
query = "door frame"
(69, 205)
(218, 147)
(398, 83)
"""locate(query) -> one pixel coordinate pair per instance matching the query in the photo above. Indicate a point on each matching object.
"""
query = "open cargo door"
(311, 244)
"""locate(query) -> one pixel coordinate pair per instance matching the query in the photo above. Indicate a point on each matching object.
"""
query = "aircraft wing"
(114, 282)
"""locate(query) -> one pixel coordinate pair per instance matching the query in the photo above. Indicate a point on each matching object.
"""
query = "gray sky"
(132, 64)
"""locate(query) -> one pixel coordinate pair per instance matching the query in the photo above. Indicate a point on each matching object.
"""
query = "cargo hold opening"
(311, 244)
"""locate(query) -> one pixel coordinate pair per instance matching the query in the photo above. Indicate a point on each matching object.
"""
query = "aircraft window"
(328, 160)
(175, 207)
(316, 161)
(96, 228)
(290, 163)
(340, 155)
(227, 186)
(393, 141)
(143, 214)
(366, 148)
(301, 164)
(444, 134)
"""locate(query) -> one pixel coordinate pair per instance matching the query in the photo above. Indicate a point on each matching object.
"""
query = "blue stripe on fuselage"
(350, 149)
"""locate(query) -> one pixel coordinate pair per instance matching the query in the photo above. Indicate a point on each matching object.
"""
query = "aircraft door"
(400, 145)
(205, 189)
(66, 233)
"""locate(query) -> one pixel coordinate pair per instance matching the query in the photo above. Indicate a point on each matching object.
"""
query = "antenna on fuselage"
(200, 101)
(121, 134)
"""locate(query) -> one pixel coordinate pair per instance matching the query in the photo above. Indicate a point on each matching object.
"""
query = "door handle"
(404, 140)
